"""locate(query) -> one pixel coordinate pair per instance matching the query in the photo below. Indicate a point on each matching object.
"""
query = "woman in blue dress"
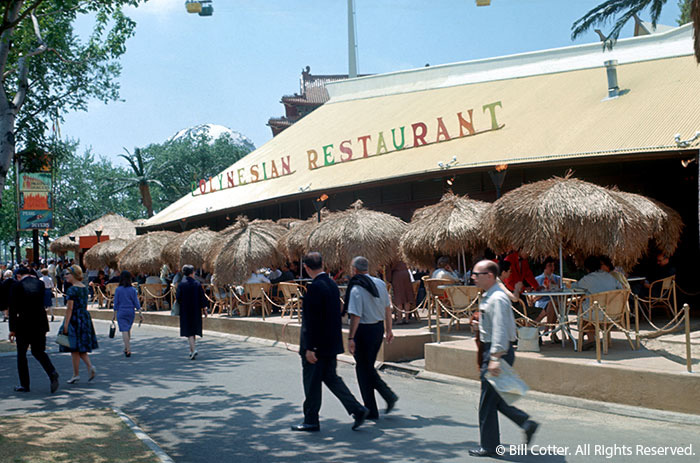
(126, 303)
(77, 324)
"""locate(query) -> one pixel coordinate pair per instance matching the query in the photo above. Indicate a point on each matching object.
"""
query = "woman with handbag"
(126, 303)
(77, 324)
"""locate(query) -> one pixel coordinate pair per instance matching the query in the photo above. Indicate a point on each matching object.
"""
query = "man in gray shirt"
(367, 301)
(497, 334)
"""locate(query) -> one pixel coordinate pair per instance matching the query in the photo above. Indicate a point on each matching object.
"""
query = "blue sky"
(232, 68)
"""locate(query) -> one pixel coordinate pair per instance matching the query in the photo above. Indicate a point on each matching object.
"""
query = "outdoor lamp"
(72, 238)
(98, 233)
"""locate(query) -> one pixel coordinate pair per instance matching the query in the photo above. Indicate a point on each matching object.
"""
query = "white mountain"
(214, 131)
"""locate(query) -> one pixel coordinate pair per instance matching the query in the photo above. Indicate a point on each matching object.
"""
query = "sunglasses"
(476, 274)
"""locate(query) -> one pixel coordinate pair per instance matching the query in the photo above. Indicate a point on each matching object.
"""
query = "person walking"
(8, 281)
(497, 335)
(48, 291)
(367, 301)
(190, 296)
(126, 303)
(28, 326)
(320, 342)
(77, 324)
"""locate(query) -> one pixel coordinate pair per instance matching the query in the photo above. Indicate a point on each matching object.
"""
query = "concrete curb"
(575, 402)
(143, 437)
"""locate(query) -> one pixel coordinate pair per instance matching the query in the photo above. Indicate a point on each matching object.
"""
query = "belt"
(373, 323)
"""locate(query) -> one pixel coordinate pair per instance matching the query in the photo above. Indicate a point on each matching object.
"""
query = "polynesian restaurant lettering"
(418, 134)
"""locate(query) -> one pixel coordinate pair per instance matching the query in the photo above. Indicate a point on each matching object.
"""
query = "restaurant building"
(629, 117)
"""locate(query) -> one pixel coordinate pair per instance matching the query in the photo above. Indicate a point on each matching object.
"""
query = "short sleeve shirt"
(370, 309)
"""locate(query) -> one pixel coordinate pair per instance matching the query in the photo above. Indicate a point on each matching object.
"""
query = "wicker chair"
(463, 301)
(152, 292)
(292, 294)
(614, 310)
(256, 296)
(662, 293)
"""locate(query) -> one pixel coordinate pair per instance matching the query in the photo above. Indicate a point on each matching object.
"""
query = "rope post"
(437, 318)
(596, 309)
(636, 320)
(428, 296)
(688, 358)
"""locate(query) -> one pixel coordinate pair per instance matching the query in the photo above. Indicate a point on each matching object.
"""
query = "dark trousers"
(323, 371)
(368, 341)
(38, 344)
(491, 403)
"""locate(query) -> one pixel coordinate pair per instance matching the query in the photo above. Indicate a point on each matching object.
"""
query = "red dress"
(401, 284)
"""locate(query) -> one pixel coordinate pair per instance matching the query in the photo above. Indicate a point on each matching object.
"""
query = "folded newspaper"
(508, 384)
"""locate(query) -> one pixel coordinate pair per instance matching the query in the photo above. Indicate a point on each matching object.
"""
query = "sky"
(232, 68)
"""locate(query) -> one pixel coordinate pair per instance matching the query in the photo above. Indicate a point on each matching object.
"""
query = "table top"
(557, 292)
(633, 279)
(453, 286)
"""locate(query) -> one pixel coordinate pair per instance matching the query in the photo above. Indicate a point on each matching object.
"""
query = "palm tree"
(143, 177)
(624, 10)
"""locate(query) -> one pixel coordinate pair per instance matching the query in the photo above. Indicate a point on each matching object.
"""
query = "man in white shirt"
(368, 303)
(444, 270)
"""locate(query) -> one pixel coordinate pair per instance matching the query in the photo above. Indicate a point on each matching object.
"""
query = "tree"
(190, 159)
(626, 9)
(143, 177)
(85, 191)
(47, 69)
(684, 6)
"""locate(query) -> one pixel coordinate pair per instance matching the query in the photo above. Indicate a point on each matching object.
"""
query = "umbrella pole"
(464, 261)
(561, 268)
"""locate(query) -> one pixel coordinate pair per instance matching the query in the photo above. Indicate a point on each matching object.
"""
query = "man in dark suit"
(321, 340)
(29, 325)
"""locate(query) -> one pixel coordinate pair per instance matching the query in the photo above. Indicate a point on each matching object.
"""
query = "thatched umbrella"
(357, 231)
(665, 223)
(105, 253)
(112, 225)
(449, 227)
(294, 243)
(546, 217)
(188, 248)
(243, 248)
(289, 223)
(143, 254)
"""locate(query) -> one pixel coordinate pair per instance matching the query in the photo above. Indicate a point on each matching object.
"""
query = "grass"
(76, 436)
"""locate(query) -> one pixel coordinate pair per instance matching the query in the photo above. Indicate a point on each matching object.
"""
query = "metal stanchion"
(596, 308)
(636, 319)
(688, 358)
(437, 318)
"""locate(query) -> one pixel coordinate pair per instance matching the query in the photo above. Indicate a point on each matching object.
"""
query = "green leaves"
(620, 11)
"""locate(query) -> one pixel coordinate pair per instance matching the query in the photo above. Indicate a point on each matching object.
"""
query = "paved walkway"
(237, 400)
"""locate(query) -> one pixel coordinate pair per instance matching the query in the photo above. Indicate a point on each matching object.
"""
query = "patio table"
(635, 279)
(558, 297)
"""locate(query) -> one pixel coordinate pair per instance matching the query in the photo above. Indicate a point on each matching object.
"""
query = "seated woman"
(98, 286)
(444, 270)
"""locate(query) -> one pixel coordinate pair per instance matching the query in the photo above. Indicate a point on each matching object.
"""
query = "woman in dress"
(77, 324)
(126, 303)
(193, 303)
(403, 291)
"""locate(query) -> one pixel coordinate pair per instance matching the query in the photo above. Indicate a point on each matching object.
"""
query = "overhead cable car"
(201, 7)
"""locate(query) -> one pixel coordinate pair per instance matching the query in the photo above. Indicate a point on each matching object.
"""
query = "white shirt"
(442, 274)
(257, 278)
(370, 309)
(48, 282)
(153, 280)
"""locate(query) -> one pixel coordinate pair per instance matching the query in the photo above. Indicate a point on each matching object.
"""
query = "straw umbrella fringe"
(581, 217)
(188, 248)
(357, 231)
(295, 242)
(243, 248)
(447, 228)
(105, 253)
(143, 255)
(112, 225)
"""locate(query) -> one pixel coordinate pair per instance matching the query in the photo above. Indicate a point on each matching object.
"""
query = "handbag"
(112, 330)
(63, 340)
(528, 339)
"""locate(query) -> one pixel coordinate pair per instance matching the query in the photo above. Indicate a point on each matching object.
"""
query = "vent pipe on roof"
(613, 88)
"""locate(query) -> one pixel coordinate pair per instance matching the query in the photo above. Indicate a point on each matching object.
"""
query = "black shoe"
(21, 389)
(390, 404)
(360, 417)
(482, 452)
(306, 427)
(54, 382)
(530, 427)
(373, 417)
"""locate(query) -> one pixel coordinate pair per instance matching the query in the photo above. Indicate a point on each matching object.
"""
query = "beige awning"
(529, 119)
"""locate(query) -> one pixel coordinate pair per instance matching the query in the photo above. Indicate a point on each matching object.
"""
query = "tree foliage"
(189, 159)
(684, 6)
(48, 70)
(621, 11)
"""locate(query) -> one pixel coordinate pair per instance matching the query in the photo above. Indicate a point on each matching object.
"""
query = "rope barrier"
(455, 314)
(163, 296)
(272, 302)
